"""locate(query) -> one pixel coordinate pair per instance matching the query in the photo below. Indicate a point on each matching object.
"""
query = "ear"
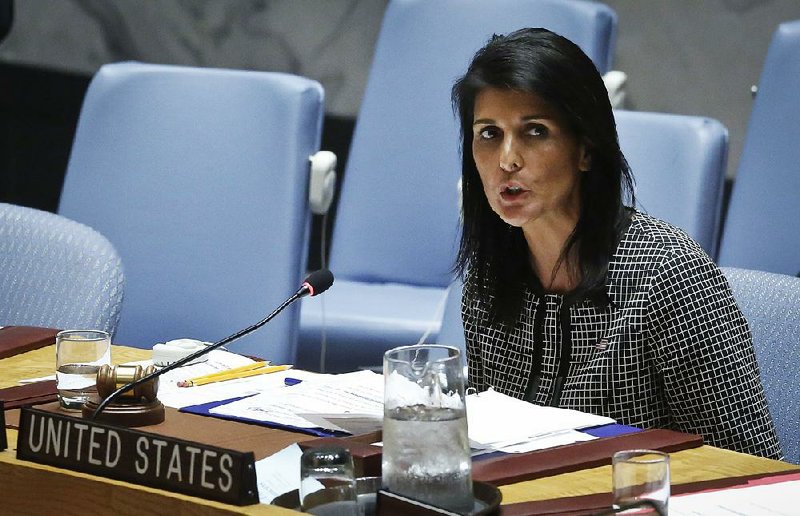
(585, 163)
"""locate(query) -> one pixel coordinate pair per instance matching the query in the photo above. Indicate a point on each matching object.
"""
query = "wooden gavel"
(109, 379)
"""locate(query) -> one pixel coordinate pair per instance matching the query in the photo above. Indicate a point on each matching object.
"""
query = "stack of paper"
(351, 403)
(500, 422)
(218, 360)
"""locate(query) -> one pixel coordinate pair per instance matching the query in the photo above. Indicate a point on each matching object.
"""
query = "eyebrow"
(489, 121)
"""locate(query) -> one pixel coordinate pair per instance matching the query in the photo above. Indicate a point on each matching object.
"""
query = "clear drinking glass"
(328, 482)
(426, 454)
(79, 356)
(641, 482)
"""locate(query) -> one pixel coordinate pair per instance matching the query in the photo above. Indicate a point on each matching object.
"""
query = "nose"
(510, 158)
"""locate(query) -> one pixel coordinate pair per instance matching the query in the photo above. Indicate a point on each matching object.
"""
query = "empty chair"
(761, 225)
(771, 304)
(200, 179)
(396, 230)
(56, 273)
(679, 165)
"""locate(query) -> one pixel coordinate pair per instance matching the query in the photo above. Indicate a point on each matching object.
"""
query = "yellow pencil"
(233, 376)
(247, 367)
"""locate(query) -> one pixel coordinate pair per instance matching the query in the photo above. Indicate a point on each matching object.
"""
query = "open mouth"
(511, 192)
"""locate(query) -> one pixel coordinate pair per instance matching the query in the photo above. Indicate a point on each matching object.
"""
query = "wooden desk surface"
(22, 483)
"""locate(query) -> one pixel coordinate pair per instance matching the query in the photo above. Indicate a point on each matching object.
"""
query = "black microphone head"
(318, 282)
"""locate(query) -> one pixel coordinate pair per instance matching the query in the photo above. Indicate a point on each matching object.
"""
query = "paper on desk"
(496, 420)
(179, 397)
(782, 498)
(218, 360)
(351, 393)
(545, 441)
(350, 423)
(279, 473)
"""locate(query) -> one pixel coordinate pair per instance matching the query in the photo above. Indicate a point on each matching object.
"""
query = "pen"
(246, 367)
(232, 376)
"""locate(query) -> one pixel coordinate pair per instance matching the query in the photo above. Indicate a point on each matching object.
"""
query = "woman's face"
(528, 161)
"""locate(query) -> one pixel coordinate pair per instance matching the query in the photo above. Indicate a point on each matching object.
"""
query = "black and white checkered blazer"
(670, 350)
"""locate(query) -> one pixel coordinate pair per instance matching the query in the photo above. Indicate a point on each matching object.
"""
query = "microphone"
(315, 284)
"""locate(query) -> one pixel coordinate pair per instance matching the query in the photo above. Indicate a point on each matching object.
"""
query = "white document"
(353, 403)
(782, 498)
(545, 441)
(356, 393)
(179, 397)
(218, 360)
(498, 421)
(279, 473)
(355, 424)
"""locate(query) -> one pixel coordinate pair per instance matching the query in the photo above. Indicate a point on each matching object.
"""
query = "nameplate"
(3, 438)
(138, 457)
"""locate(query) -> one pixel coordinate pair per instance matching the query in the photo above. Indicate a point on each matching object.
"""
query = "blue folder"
(204, 409)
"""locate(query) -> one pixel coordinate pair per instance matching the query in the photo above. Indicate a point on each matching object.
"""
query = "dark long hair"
(555, 69)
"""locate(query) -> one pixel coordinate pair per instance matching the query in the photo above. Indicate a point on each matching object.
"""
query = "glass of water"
(426, 454)
(641, 482)
(79, 356)
(328, 482)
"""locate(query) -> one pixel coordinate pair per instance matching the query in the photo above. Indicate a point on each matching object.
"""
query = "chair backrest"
(200, 178)
(452, 331)
(679, 165)
(56, 273)
(761, 225)
(771, 304)
(397, 219)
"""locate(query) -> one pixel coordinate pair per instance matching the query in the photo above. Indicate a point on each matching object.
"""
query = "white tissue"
(174, 350)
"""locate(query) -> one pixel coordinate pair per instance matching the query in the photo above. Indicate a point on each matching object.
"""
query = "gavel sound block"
(137, 407)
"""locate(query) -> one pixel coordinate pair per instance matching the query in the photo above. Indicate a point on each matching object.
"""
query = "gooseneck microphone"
(316, 283)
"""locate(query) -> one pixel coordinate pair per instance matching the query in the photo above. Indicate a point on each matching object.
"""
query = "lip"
(508, 198)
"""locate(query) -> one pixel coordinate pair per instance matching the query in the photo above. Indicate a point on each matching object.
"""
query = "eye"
(487, 133)
(536, 130)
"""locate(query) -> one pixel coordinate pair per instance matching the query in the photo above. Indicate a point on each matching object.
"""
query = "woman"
(571, 298)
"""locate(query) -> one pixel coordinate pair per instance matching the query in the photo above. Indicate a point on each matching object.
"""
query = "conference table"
(31, 488)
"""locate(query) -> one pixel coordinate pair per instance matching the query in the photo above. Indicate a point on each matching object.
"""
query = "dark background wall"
(681, 56)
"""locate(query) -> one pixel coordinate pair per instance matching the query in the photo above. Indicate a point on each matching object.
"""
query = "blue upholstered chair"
(451, 332)
(395, 235)
(771, 304)
(200, 179)
(679, 166)
(56, 273)
(761, 228)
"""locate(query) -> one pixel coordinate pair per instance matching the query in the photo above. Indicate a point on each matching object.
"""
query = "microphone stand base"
(129, 414)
